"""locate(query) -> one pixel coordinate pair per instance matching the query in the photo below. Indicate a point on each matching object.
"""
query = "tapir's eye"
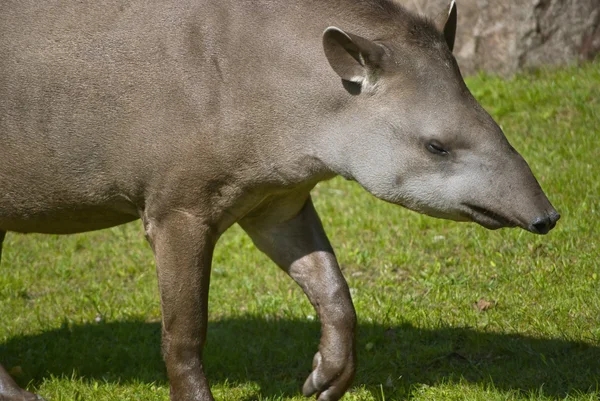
(436, 148)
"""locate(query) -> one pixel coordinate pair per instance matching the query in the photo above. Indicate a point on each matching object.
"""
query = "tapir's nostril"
(542, 225)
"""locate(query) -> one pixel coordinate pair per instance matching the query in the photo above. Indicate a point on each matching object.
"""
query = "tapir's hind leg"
(9, 390)
(301, 248)
(2, 235)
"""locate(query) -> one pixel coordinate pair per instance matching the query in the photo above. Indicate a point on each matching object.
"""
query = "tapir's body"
(194, 115)
(109, 107)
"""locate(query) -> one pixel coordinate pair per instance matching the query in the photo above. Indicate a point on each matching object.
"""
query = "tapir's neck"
(289, 89)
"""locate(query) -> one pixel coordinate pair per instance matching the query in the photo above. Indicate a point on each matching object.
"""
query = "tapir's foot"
(190, 384)
(21, 396)
(10, 391)
(329, 380)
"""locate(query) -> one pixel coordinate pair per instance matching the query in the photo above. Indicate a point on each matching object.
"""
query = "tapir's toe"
(27, 396)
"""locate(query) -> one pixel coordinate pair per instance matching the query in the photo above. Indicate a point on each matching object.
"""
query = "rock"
(504, 36)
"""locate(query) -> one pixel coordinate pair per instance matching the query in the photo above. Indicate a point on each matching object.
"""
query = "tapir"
(194, 115)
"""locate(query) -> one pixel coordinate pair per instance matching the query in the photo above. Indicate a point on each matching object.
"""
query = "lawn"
(447, 311)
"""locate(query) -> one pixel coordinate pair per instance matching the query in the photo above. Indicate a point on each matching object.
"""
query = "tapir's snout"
(516, 199)
(543, 224)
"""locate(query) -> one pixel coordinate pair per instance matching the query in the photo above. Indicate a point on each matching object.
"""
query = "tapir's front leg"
(183, 247)
(300, 247)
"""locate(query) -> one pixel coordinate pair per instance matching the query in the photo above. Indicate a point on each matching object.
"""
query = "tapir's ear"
(446, 22)
(352, 57)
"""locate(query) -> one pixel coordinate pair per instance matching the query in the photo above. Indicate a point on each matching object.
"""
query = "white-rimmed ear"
(352, 57)
(446, 23)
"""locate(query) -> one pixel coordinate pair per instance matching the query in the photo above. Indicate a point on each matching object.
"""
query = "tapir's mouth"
(489, 219)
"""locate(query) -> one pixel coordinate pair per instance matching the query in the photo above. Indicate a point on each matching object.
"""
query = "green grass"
(80, 314)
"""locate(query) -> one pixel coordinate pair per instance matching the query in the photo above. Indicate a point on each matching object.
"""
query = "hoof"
(328, 382)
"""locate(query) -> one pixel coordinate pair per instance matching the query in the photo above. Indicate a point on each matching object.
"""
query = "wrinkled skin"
(194, 115)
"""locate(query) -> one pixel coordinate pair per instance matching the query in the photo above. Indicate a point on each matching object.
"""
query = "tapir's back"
(88, 93)
(75, 75)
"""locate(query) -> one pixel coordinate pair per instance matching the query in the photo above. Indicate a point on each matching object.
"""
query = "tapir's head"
(415, 136)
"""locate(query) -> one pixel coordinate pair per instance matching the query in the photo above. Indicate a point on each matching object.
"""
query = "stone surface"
(504, 36)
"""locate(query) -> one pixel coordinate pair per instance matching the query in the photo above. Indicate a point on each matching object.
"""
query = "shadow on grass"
(276, 355)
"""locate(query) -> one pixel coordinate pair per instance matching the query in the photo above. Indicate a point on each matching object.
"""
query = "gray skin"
(194, 115)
